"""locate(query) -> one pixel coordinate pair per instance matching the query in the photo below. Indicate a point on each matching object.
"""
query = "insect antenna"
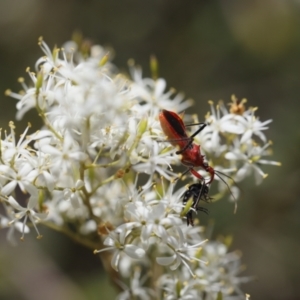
(223, 174)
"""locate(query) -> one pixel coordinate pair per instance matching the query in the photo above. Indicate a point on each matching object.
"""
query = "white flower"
(88, 227)
(41, 163)
(26, 213)
(136, 289)
(152, 219)
(11, 149)
(73, 194)
(23, 177)
(218, 124)
(252, 125)
(182, 252)
(152, 92)
(157, 162)
(7, 222)
(66, 209)
(174, 288)
(64, 157)
(222, 273)
(117, 242)
(249, 155)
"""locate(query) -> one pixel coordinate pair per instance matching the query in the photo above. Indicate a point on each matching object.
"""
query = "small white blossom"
(117, 242)
(219, 122)
(222, 273)
(136, 289)
(182, 252)
(153, 220)
(23, 177)
(12, 226)
(174, 288)
(73, 194)
(252, 125)
(249, 156)
(26, 213)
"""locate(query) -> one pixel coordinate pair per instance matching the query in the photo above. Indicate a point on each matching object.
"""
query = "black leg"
(195, 206)
(200, 129)
(185, 172)
(205, 210)
(191, 138)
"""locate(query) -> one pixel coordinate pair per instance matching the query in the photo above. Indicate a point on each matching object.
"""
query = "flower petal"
(134, 251)
(165, 261)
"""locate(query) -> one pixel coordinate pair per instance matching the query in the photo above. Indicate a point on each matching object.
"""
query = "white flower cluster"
(99, 164)
(235, 144)
(245, 145)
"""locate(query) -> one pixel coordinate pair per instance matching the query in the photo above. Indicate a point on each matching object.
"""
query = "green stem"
(109, 179)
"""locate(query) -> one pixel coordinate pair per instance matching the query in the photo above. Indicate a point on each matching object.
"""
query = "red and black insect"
(174, 128)
(197, 192)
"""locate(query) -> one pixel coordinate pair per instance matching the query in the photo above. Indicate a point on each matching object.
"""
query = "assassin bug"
(197, 192)
(174, 128)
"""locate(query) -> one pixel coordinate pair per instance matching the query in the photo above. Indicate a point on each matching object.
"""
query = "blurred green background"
(209, 50)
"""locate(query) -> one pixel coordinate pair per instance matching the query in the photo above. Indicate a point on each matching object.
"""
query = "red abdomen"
(173, 128)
